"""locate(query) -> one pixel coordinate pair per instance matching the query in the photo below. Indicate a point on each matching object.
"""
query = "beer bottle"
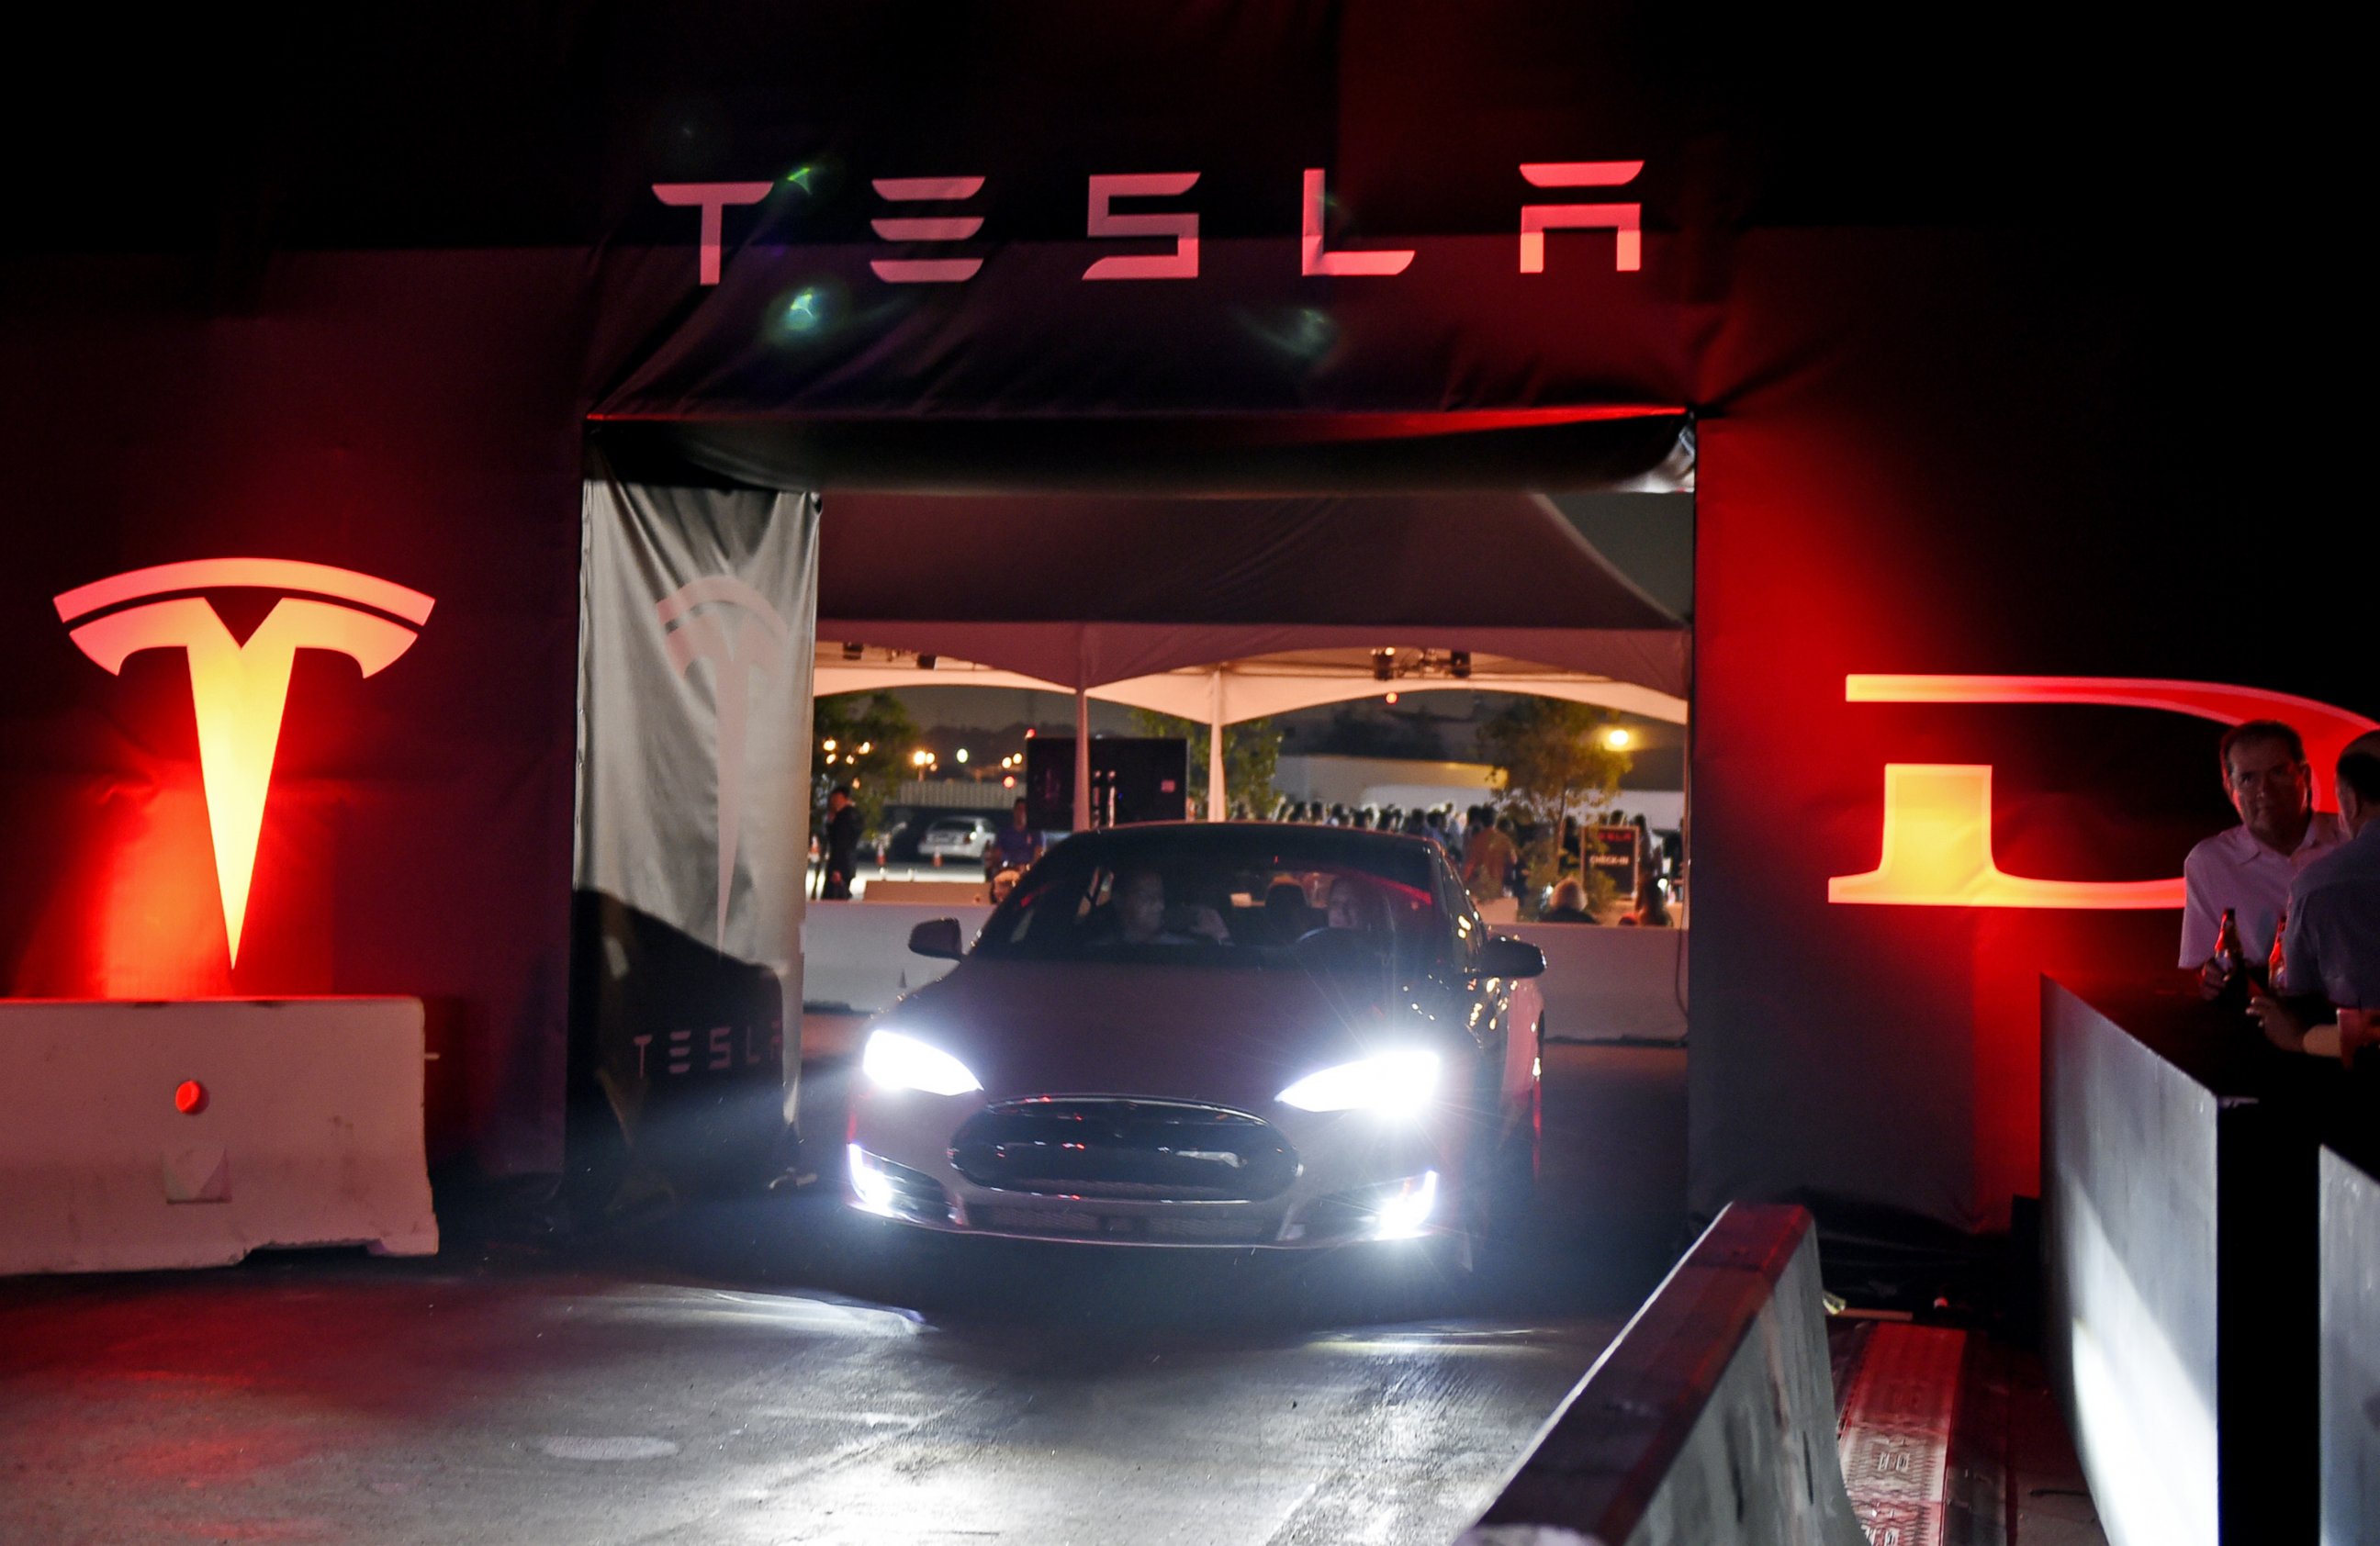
(2275, 964)
(2228, 958)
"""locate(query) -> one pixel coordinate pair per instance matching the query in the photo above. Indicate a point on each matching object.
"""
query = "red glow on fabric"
(189, 1098)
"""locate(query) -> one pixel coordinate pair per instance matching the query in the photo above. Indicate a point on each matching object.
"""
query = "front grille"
(1158, 1151)
(1198, 1226)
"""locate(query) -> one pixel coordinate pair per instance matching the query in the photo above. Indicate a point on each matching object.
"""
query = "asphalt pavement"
(774, 1368)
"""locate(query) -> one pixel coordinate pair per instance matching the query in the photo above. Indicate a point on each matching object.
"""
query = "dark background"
(2013, 341)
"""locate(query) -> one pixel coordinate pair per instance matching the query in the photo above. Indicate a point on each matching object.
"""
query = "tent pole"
(1216, 808)
(1082, 759)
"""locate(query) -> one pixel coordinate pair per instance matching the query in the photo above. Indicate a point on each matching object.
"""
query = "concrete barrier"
(1605, 984)
(856, 955)
(1601, 983)
(1709, 1422)
(189, 1134)
(2178, 1235)
(2350, 1352)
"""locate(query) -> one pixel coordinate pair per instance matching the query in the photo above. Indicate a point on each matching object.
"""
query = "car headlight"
(894, 1061)
(1399, 1083)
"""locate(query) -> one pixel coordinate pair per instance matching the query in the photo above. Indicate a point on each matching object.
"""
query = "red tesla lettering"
(1313, 260)
(1538, 219)
(712, 199)
(926, 228)
(1180, 263)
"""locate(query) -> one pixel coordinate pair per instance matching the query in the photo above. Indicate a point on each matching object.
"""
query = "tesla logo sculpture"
(936, 222)
(743, 637)
(1938, 817)
(240, 689)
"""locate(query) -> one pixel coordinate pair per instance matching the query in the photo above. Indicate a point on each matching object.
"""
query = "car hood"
(1232, 1036)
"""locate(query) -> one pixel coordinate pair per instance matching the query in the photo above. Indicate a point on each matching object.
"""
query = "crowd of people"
(2282, 912)
(1485, 845)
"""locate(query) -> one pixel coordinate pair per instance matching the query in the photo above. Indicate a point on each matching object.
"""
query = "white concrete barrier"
(188, 1134)
(1710, 1422)
(856, 955)
(1604, 983)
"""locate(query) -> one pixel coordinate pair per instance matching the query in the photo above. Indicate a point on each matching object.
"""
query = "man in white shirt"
(2250, 868)
(2333, 945)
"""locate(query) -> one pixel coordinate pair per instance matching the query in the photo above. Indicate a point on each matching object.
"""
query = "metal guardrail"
(1710, 1420)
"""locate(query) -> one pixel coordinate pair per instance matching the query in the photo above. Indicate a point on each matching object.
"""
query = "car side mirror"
(1505, 955)
(939, 937)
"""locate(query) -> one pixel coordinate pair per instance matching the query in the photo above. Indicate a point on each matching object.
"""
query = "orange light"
(238, 690)
(1617, 738)
(1391, 698)
(1008, 782)
(189, 1098)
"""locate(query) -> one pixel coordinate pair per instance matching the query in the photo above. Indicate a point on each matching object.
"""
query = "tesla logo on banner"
(920, 211)
(1938, 817)
(737, 618)
(240, 689)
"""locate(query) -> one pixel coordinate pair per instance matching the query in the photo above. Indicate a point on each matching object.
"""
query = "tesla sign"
(1938, 817)
(928, 214)
(238, 689)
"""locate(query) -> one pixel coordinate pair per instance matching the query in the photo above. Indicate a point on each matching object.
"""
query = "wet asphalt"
(774, 1368)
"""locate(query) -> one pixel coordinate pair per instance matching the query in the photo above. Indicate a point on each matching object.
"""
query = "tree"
(1251, 756)
(864, 743)
(1554, 761)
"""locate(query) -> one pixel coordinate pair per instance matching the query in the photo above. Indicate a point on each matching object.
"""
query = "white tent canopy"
(1231, 691)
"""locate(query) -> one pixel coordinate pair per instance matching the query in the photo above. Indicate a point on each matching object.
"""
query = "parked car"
(949, 838)
(1212, 1034)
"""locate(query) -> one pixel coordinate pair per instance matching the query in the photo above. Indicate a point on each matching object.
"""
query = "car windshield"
(1227, 896)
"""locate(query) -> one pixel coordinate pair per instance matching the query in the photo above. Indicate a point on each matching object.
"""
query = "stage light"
(1617, 738)
(866, 747)
(1459, 662)
(827, 745)
(1390, 699)
(1008, 782)
(962, 753)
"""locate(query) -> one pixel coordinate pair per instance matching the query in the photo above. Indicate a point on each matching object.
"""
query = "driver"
(1140, 912)
(1356, 906)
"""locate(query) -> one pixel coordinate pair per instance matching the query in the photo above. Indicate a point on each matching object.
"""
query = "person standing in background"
(2248, 869)
(841, 843)
(1015, 846)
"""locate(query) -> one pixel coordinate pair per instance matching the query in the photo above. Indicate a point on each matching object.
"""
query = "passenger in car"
(1141, 915)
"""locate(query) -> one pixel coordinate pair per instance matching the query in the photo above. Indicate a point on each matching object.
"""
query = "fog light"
(1404, 1214)
(872, 1190)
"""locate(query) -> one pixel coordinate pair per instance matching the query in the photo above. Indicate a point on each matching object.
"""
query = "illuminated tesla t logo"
(1938, 817)
(743, 637)
(240, 689)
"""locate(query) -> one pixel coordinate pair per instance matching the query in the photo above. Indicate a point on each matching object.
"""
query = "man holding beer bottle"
(2248, 869)
(2331, 952)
